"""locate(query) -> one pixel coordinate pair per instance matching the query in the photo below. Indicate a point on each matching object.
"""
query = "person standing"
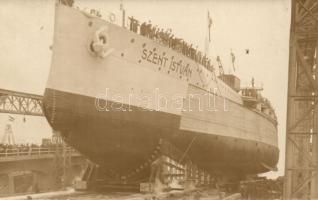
(133, 26)
(132, 21)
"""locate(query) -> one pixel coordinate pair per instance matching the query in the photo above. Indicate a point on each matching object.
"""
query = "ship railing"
(34, 151)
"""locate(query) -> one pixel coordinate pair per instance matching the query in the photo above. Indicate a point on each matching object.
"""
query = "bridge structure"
(31, 169)
(20, 103)
(301, 164)
(32, 153)
(49, 167)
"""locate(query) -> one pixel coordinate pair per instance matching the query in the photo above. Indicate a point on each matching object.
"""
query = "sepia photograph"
(158, 100)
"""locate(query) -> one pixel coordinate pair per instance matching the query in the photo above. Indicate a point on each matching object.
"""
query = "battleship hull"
(117, 108)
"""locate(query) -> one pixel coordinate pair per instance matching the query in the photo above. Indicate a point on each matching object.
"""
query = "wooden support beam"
(306, 68)
(306, 13)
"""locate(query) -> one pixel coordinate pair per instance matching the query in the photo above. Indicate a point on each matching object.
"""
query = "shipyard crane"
(13, 102)
(17, 103)
(301, 164)
(8, 137)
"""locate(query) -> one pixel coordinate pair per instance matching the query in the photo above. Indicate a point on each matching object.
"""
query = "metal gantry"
(20, 103)
(14, 102)
(8, 137)
(301, 178)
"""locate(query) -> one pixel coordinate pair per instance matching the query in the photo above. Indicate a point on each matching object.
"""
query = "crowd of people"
(266, 189)
(10, 148)
(167, 38)
(21, 147)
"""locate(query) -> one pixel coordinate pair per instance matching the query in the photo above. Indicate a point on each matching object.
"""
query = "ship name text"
(174, 65)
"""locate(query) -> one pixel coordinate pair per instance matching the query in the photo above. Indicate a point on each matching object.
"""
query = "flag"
(209, 20)
(221, 70)
(67, 2)
(121, 6)
(218, 58)
(233, 59)
(11, 119)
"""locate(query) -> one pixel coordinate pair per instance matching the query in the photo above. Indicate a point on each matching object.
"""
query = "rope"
(217, 85)
(188, 148)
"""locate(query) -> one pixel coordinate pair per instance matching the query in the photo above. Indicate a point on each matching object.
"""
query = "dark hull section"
(123, 141)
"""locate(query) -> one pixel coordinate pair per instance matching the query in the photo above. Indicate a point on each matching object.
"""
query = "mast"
(208, 35)
(123, 11)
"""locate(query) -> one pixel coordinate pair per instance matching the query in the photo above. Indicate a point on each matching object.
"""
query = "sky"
(26, 32)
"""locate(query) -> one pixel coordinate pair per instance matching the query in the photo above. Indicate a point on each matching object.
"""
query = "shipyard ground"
(174, 195)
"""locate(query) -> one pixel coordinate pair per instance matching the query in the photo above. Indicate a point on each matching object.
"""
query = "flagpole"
(233, 60)
(208, 38)
(123, 13)
(209, 25)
